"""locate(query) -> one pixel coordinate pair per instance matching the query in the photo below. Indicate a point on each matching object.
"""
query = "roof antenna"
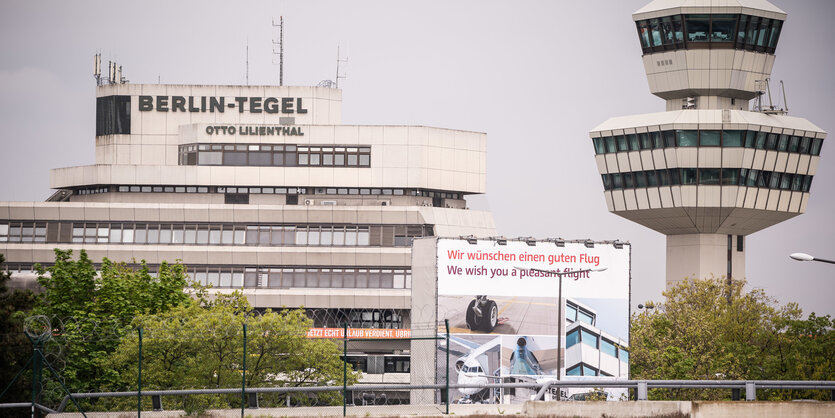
(338, 60)
(247, 60)
(280, 52)
(97, 68)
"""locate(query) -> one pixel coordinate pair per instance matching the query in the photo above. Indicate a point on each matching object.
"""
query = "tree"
(698, 334)
(194, 346)
(16, 348)
(91, 312)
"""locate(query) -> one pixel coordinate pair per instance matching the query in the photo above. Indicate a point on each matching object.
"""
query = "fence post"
(243, 377)
(344, 368)
(446, 324)
(139, 379)
(750, 391)
(642, 390)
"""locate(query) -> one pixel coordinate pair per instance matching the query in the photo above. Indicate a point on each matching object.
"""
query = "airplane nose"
(521, 342)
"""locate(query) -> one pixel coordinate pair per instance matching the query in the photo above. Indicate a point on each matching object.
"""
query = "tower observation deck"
(708, 171)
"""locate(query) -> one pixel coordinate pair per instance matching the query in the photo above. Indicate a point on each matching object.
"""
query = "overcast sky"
(536, 76)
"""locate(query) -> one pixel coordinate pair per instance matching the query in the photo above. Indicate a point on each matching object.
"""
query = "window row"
(378, 364)
(752, 33)
(286, 155)
(205, 234)
(708, 176)
(574, 313)
(592, 339)
(583, 369)
(269, 190)
(289, 277)
(361, 318)
(708, 138)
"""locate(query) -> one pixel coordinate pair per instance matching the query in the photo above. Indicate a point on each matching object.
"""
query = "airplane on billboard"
(474, 367)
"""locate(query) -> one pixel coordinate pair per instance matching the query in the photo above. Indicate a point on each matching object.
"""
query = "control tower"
(723, 161)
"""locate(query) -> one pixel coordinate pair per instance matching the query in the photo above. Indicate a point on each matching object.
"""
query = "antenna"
(338, 60)
(97, 68)
(785, 100)
(247, 61)
(280, 52)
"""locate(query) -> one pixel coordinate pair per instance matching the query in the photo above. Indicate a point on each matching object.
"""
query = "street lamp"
(560, 319)
(807, 257)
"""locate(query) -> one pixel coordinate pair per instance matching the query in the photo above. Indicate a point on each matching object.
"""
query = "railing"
(641, 388)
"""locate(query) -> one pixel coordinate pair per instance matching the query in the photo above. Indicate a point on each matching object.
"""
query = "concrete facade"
(260, 189)
(719, 164)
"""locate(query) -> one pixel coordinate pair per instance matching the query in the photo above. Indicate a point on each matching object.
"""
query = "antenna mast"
(97, 68)
(247, 61)
(280, 44)
(338, 60)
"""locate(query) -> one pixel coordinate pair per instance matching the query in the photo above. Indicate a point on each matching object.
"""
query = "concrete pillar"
(704, 255)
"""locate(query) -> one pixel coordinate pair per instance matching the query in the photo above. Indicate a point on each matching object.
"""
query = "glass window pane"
(209, 158)
(301, 237)
(214, 237)
(190, 236)
(709, 138)
(652, 179)
(177, 236)
(687, 138)
(732, 138)
(640, 179)
(140, 235)
(588, 338)
(584, 316)
(623, 355)
(643, 33)
(646, 142)
(313, 236)
(352, 159)
(657, 140)
(588, 371)
(677, 29)
(730, 176)
(574, 371)
(115, 235)
(688, 176)
(794, 144)
(326, 237)
(165, 235)
(303, 160)
(722, 28)
(573, 337)
(202, 236)
(227, 236)
(622, 143)
(363, 237)
(656, 32)
(365, 160)
(633, 142)
(570, 313)
(805, 145)
(610, 144)
(608, 347)
(783, 143)
(697, 27)
(817, 143)
(771, 143)
(709, 176)
(260, 159)
(760, 142)
(670, 138)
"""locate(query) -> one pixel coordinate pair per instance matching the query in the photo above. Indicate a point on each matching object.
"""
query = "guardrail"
(641, 388)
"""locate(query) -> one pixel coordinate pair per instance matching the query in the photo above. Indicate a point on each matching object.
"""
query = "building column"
(703, 256)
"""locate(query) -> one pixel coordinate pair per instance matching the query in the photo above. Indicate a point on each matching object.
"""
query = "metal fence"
(386, 379)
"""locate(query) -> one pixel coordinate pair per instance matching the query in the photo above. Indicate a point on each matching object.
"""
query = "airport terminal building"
(260, 188)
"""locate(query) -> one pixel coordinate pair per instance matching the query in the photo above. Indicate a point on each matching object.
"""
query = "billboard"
(508, 323)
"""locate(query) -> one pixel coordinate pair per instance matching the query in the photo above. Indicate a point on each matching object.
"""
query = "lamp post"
(560, 319)
(807, 257)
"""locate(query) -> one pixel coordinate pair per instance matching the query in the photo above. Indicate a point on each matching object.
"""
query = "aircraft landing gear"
(482, 314)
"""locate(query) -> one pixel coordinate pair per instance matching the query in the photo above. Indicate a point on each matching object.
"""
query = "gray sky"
(536, 76)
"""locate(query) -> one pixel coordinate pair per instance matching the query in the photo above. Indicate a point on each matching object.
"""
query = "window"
(113, 115)
(732, 138)
(709, 138)
(633, 142)
(585, 316)
(572, 338)
(687, 138)
(722, 28)
(622, 143)
(709, 176)
(688, 176)
(570, 312)
(588, 338)
(608, 347)
(698, 27)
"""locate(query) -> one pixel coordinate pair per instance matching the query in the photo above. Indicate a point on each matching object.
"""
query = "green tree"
(92, 311)
(697, 334)
(202, 347)
(16, 348)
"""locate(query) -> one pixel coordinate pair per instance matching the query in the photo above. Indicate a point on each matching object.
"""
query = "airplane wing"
(458, 345)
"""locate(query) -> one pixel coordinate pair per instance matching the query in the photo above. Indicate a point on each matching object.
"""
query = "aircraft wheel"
(492, 317)
(472, 319)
